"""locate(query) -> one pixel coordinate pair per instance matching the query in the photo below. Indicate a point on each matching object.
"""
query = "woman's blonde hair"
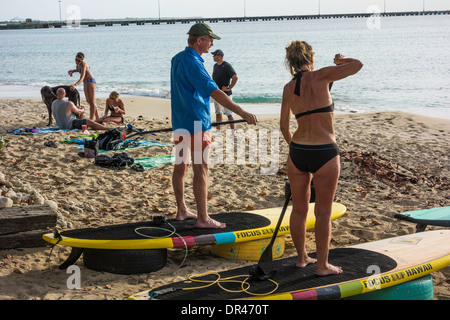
(298, 54)
(114, 95)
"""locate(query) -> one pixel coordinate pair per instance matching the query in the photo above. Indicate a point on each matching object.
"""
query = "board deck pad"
(367, 266)
(436, 216)
(240, 227)
(233, 220)
(288, 276)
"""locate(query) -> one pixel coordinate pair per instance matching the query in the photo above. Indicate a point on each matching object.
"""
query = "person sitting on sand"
(312, 148)
(117, 108)
(69, 116)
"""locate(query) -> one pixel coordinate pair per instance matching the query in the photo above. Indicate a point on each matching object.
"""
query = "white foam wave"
(32, 90)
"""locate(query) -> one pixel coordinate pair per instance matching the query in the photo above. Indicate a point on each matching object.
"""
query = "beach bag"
(118, 161)
(109, 140)
(90, 148)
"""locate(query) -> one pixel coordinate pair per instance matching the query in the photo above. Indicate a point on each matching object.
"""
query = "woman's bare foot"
(183, 215)
(328, 270)
(210, 224)
(304, 261)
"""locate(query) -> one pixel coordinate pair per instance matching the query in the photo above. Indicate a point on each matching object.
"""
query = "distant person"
(116, 107)
(69, 116)
(313, 150)
(191, 89)
(226, 78)
(89, 83)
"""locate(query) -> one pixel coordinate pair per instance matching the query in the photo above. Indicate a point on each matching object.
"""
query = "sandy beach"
(391, 163)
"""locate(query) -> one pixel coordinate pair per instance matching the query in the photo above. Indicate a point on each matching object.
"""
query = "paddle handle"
(227, 122)
(171, 129)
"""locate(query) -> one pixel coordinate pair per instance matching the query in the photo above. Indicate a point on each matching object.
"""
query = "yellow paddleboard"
(241, 227)
(367, 267)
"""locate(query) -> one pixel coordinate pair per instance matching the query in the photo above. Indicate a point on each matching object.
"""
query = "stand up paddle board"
(433, 217)
(367, 267)
(163, 234)
(141, 247)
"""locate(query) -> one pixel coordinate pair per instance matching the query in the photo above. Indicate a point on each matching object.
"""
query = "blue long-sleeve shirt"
(191, 87)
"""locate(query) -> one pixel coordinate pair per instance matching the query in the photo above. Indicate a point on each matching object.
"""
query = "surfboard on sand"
(241, 227)
(142, 247)
(367, 267)
(435, 217)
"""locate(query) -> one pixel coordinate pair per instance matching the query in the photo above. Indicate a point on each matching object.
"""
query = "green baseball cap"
(202, 29)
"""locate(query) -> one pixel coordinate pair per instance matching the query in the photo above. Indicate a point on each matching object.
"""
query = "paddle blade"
(267, 255)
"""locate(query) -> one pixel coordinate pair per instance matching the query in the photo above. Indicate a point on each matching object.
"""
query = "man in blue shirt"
(191, 89)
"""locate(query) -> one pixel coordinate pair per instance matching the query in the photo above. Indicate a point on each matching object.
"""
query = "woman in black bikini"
(313, 149)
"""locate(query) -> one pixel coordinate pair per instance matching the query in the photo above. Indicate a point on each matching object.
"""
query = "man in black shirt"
(225, 78)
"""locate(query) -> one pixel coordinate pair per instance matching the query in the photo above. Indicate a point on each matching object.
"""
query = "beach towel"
(35, 130)
(148, 163)
(79, 139)
(123, 145)
(120, 161)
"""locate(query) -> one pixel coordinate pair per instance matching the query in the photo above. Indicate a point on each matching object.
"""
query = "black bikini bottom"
(310, 158)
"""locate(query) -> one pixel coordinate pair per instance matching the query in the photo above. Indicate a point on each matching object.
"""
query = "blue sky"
(103, 9)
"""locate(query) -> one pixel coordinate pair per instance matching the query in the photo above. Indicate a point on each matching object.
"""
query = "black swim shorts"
(77, 123)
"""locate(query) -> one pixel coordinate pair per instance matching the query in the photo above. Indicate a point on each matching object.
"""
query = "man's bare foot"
(210, 224)
(330, 269)
(304, 261)
(183, 215)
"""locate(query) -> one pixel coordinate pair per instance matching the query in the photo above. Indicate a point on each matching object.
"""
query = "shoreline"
(159, 108)
(263, 109)
(86, 195)
(137, 106)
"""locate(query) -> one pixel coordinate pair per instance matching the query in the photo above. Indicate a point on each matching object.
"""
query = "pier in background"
(29, 24)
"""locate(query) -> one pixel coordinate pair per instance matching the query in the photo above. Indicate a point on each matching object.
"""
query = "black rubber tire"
(125, 261)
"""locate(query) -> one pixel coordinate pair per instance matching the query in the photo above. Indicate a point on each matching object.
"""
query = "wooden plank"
(29, 239)
(26, 218)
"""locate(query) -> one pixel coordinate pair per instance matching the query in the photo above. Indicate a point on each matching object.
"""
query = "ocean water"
(406, 60)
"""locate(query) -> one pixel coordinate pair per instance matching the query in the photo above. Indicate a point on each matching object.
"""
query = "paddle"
(267, 254)
(255, 271)
(170, 129)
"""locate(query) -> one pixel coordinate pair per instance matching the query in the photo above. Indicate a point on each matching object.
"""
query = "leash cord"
(245, 286)
(58, 236)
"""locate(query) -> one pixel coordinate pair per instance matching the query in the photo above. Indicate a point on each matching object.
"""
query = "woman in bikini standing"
(312, 148)
(89, 84)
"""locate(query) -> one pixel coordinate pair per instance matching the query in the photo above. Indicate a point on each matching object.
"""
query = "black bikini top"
(330, 108)
(298, 77)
